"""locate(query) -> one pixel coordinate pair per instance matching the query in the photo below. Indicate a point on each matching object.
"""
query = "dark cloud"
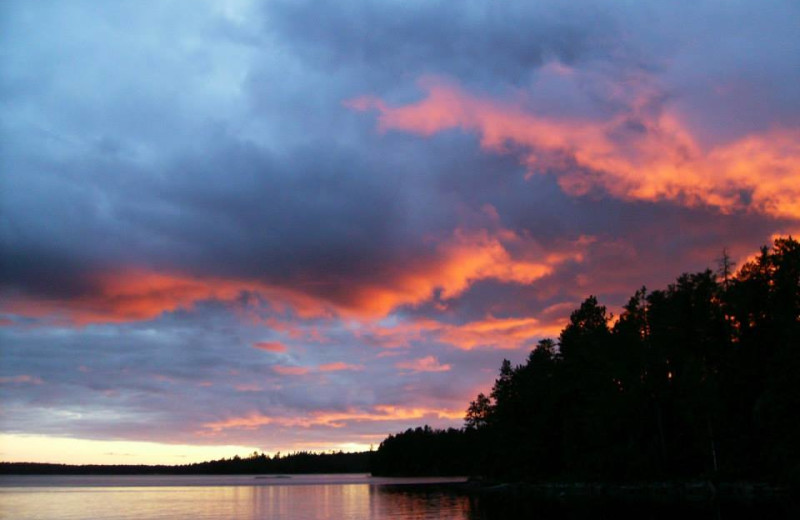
(210, 158)
(474, 41)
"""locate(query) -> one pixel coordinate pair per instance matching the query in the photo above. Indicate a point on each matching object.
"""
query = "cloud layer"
(306, 225)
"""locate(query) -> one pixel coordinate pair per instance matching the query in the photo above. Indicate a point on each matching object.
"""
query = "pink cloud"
(270, 346)
(458, 261)
(490, 332)
(663, 160)
(127, 295)
(502, 333)
(248, 388)
(425, 364)
(332, 419)
(290, 370)
(339, 366)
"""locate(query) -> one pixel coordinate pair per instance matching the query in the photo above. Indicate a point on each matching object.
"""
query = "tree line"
(298, 462)
(696, 380)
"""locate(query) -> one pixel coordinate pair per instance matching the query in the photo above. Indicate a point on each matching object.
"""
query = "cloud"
(335, 366)
(339, 366)
(248, 388)
(454, 265)
(290, 370)
(459, 261)
(473, 40)
(138, 295)
(509, 333)
(21, 379)
(425, 364)
(379, 413)
(270, 346)
(178, 231)
(641, 153)
(503, 333)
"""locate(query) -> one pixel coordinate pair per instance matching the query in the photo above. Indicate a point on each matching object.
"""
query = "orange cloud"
(425, 364)
(136, 295)
(270, 346)
(460, 261)
(490, 332)
(338, 366)
(379, 413)
(290, 370)
(396, 336)
(637, 155)
(502, 333)
(455, 264)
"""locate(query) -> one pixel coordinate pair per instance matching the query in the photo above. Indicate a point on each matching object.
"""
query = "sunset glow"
(224, 232)
(660, 159)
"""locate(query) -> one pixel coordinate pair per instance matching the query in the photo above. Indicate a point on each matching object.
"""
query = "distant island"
(700, 380)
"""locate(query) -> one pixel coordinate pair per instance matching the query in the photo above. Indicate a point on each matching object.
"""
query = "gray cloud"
(213, 142)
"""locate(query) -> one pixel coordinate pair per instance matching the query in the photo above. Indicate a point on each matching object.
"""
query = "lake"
(225, 497)
(300, 497)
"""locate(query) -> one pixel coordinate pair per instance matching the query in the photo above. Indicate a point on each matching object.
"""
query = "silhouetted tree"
(698, 379)
(478, 413)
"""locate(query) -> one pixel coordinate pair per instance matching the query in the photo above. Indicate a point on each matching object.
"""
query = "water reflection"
(417, 503)
(295, 502)
(422, 503)
(314, 501)
(356, 501)
(322, 501)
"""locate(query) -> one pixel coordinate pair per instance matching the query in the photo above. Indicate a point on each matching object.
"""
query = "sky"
(305, 225)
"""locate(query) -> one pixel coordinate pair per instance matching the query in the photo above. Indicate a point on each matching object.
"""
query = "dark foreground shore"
(689, 491)
(690, 500)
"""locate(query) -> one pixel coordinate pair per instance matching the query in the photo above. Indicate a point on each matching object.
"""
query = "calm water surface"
(301, 497)
(226, 497)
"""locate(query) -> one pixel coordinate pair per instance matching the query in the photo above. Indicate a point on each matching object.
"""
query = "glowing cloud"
(270, 346)
(506, 333)
(290, 370)
(498, 333)
(458, 261)
(641, 154)
(463, 259)
(339, 366)
(136, 295)
(379, 413)
(425, 364)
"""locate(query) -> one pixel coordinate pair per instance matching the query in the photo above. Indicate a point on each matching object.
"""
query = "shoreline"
(676, 491)
(690, 491)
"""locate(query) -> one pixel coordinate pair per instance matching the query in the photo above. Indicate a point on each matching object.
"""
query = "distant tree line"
(701, 379)
(298, 462)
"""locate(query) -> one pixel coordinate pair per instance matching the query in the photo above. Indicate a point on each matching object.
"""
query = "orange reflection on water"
(416, 504)
(274, 498)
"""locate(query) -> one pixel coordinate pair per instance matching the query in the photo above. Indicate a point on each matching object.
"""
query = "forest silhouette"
(255, 463)
(698, 380)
